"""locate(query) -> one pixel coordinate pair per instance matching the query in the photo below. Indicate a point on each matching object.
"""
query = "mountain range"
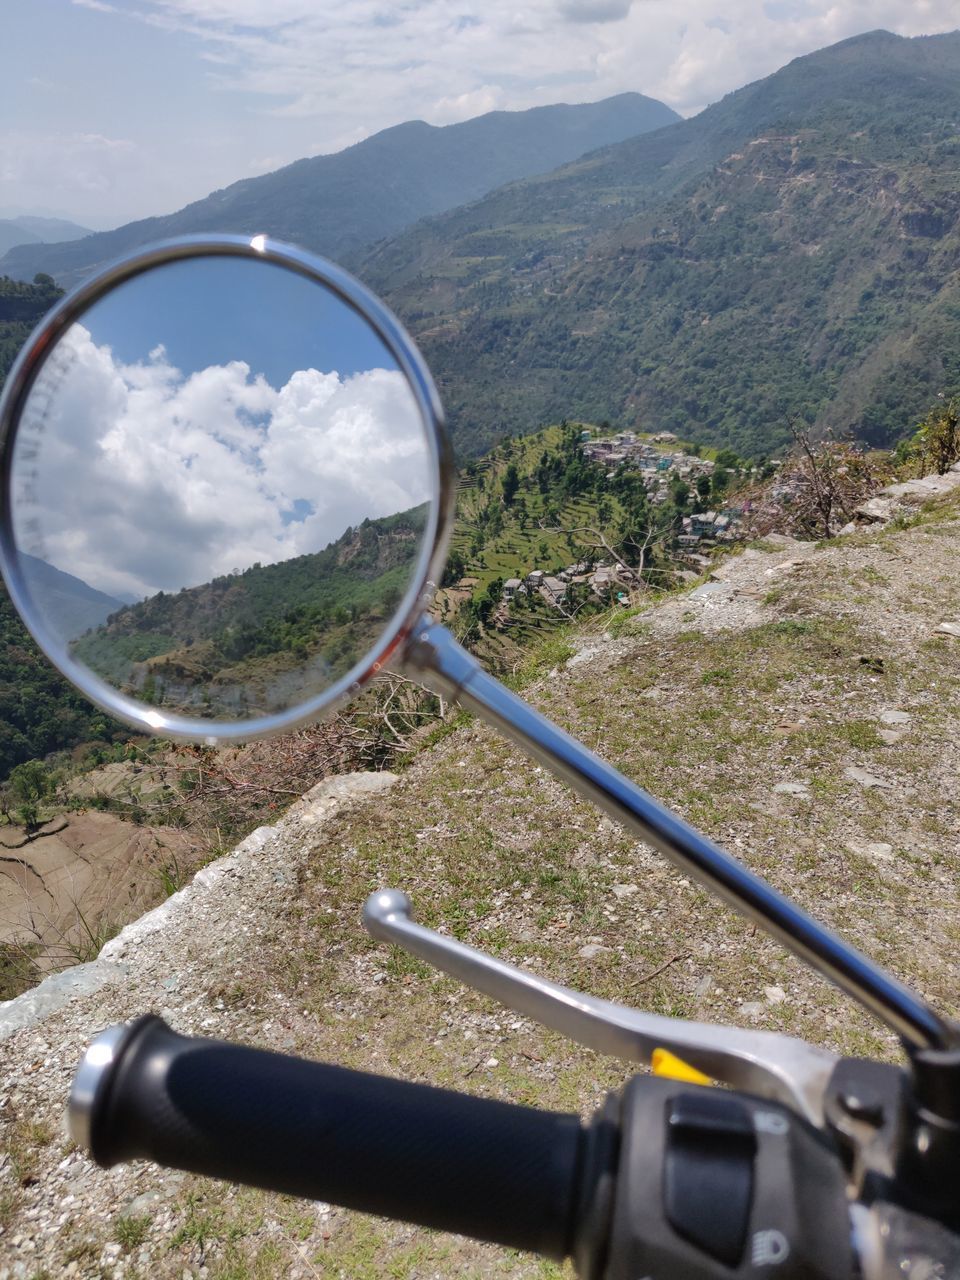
(791, 252)
(35, 230)
(341, 204)
(789, 255)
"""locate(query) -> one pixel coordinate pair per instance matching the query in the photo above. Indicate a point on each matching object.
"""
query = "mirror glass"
(220, 488)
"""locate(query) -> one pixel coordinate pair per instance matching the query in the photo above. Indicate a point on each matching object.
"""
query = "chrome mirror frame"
(42, 346)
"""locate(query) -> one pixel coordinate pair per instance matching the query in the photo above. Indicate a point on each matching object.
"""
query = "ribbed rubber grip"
(486, 1169)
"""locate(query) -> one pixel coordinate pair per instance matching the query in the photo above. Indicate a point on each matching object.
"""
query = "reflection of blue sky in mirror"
(209, 311)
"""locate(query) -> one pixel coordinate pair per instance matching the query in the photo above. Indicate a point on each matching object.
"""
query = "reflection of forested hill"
(250, 632)
(70, 606)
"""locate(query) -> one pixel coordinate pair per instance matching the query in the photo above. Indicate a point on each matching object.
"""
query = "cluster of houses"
(656, 464)
(602, 579)
(709, 527)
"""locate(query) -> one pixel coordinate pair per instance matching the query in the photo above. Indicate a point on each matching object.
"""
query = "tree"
(817, 489)
(511, 483)
(936, 443)
(29, 783)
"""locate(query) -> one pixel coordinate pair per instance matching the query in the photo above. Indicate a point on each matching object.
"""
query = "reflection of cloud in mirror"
(154, 480)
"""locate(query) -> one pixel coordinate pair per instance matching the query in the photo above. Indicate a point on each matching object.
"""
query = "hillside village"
(659, 460)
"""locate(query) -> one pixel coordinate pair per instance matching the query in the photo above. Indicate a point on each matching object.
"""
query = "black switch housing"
(708, 1172)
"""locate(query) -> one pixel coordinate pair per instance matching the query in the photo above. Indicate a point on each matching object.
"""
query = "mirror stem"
(439, 662)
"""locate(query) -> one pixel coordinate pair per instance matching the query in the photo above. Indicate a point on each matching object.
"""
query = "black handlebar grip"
(487, 1169)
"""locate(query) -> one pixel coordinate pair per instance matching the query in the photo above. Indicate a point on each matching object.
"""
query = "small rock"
(493, 1062)
(141, 1204)
(624, 890)
(593, 949)
(751, 1010)
(894, 717)
(792, 789)
(889, 736)
(864, 778)
(776, 995)
(877, 510)
(708, 589)
(871, 849)
(947, 629)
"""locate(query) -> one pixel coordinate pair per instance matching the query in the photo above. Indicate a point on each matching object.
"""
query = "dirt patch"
(65, 887)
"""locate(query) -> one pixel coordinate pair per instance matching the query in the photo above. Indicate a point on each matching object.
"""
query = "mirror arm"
(443, 666)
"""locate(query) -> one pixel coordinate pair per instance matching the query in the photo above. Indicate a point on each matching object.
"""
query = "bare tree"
(816, 491)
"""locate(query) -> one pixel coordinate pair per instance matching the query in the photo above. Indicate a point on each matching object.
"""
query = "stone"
(872, 849)
(709, 589)
(889, 736)
(753, 1009)
(877, 510)
(894, 717)
(948, 629)
(792, 789)
(592, 950)
(622, 891)
(864, 779)
(776, 995)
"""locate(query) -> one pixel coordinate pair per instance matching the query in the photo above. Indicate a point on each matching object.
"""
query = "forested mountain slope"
(792, 250)
(338, 204)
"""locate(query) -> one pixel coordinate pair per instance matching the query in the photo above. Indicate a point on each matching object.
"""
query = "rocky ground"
(801, 707)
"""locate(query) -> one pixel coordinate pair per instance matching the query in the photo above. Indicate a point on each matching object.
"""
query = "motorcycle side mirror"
(227, 497)
(227, 488)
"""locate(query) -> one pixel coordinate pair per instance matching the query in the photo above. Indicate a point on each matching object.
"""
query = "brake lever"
(781, 1068)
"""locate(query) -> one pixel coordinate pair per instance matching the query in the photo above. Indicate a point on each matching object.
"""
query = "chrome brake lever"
(773, 1066)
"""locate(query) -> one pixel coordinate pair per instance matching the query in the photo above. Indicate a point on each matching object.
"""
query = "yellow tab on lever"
(665, 1063)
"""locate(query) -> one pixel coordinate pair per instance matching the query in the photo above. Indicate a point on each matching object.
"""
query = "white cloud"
(334, 73)
(153, 479)
(424, 58)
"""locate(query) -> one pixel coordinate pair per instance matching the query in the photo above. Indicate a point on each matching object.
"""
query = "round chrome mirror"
(227, 487)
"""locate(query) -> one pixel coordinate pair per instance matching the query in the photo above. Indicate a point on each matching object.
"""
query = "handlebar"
(475, 1166)
(665, 1179)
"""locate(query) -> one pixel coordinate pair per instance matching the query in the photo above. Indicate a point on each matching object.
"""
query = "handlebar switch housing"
(714, 1184)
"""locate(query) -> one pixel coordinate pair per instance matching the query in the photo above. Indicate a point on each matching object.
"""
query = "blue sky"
(115, 109)
(209, 311)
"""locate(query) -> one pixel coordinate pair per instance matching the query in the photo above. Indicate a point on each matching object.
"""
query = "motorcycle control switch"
(708, 1172)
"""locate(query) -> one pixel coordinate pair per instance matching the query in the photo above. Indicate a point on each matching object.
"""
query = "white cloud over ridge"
(283, 79)
(151, 479)
(323, 56)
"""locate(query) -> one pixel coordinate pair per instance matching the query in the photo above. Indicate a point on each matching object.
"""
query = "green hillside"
(343, 203)
(792, 250)
(21, 307)
(250, 643)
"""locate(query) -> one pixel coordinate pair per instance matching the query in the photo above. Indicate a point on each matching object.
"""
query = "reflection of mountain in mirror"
(254, 642)
(69, 605)
(195, 443)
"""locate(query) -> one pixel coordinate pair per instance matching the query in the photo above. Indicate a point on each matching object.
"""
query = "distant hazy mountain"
(792, 250)
(71, 607)
(339, 204)
(31, 230)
